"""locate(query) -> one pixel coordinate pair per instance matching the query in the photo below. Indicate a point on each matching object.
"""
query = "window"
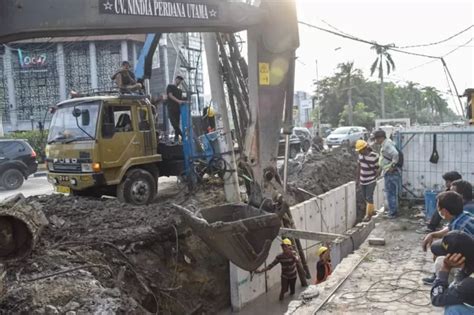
(116, 119)
(143, 119)
(9, 148)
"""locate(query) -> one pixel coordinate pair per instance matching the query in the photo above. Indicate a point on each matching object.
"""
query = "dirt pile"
(101, 256)
(322, 171)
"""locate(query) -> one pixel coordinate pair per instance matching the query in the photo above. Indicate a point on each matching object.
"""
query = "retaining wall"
(332, 212)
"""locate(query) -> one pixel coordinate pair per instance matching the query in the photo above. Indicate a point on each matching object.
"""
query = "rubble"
(320, 172)
(100, 256)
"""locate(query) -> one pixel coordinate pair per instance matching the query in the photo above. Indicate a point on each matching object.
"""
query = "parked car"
(17, 162)
(305, 137)
(346, 135)
(295, 146)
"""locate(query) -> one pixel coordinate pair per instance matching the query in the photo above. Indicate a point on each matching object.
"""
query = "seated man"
(464, 188)
(450, 207)
(435, 220)
(458, 298)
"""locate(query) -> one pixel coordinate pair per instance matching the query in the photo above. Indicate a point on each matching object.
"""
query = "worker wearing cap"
(367, 175)
(175, 99)
(288, 260)
(388, 163)
(125, 79)
(323, 266)
(458, 297)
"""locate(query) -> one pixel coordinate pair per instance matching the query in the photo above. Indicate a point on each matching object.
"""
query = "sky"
(402, 22)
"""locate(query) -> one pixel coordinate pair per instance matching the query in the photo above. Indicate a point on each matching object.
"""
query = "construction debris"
(376, 241)
(101, 256)
(316, 173)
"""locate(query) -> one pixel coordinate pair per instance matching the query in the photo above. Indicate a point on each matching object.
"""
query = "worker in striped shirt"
(288, 260)
(367, 175)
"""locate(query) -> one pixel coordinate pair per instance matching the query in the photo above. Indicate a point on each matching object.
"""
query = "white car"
(346, 135)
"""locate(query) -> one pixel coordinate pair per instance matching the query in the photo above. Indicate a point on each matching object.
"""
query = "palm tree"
(382, 52)
(346, 73)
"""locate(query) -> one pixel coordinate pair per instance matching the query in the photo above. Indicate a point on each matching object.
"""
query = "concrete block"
(340, 219)
(351, 205)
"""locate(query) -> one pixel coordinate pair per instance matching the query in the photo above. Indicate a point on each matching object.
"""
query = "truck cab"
(104, 145)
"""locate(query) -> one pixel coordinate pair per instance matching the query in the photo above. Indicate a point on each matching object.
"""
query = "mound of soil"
(101, 256)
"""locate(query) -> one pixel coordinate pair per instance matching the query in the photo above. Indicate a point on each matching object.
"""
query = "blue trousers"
(458, 309)
(392, 182)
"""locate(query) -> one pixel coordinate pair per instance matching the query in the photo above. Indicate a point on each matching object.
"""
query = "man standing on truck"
(125, 79)
(288, 260)
(175, 95)
(390, 168)
(367, 175)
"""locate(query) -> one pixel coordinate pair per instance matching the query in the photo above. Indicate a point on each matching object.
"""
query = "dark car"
(295, 146)
(17, 162)
(305, 137)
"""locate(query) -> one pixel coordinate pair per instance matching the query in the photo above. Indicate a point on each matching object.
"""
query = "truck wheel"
(12, 179)
(138, 187)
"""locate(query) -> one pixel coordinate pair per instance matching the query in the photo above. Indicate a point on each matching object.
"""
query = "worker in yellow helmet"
(209, 118)
(367, 172)
(323, 267)
(288, 260)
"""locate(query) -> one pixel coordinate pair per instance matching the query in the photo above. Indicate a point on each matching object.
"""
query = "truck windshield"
(74, 122)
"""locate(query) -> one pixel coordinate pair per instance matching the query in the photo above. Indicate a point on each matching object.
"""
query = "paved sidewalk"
(387, 281)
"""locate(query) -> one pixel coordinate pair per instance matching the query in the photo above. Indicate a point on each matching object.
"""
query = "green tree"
(361, 114)
(346, 74)
(382, 52)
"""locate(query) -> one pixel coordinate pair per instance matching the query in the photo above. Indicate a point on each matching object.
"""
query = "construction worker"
(323, 266)
(367, 167)
(175, 95)
(125, 79)
(288, 260)
(389, 163)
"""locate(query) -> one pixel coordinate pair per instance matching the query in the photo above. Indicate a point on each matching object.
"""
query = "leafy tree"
(382, 52)
(362, 116)
(346, 74)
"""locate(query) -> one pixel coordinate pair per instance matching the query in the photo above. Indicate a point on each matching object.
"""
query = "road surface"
(31, 187)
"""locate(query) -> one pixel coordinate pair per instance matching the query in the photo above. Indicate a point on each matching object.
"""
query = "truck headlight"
(50, 166)
(86, 167)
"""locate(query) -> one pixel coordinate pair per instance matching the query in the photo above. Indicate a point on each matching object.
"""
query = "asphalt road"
(31, 187)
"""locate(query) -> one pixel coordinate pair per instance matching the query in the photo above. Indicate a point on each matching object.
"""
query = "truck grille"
(67, 168)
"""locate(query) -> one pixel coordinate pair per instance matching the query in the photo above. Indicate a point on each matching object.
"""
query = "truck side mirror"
(85, 117)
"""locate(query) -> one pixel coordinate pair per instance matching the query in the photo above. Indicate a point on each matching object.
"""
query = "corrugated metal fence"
(455, 146)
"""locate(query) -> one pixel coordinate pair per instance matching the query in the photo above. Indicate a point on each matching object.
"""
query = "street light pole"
(317, 98)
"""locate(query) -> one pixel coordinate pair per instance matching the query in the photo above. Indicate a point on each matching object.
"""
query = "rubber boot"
(369, 212)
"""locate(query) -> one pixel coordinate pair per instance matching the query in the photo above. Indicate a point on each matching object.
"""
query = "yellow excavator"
(84, 160)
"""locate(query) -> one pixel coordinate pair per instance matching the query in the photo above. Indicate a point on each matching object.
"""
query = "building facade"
(37, 74)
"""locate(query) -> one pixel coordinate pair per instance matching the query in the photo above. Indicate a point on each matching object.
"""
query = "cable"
(370, 293)
(441, 41)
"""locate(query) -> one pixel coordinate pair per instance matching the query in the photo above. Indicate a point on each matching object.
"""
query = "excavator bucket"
(241, 233)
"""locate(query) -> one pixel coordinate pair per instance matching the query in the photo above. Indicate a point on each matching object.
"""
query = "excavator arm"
(272, 35)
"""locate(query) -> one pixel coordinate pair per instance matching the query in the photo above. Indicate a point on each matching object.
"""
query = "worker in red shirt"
(323, 267)
(288, 260)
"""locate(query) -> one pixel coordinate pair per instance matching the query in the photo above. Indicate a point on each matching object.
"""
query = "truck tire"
(138, 187)
(12, 179)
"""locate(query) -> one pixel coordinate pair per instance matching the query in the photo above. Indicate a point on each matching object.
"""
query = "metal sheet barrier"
(455, 146)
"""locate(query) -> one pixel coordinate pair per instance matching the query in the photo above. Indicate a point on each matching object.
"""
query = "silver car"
(346, 135)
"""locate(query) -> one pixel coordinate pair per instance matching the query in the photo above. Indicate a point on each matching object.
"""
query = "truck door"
(120, 140)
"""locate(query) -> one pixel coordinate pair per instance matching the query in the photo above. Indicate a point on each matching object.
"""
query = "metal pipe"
(285, 164)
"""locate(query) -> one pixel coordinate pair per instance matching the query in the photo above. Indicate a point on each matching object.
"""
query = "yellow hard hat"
(211, 112)
(360, 145)
(286, 241)
(322, 250)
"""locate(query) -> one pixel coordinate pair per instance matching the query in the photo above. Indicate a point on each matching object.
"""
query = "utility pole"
(318, 99)
(231, 181)
(349, 96)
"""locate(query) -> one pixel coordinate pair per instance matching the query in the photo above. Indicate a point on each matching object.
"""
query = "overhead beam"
(52, 18)
(313, 236)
